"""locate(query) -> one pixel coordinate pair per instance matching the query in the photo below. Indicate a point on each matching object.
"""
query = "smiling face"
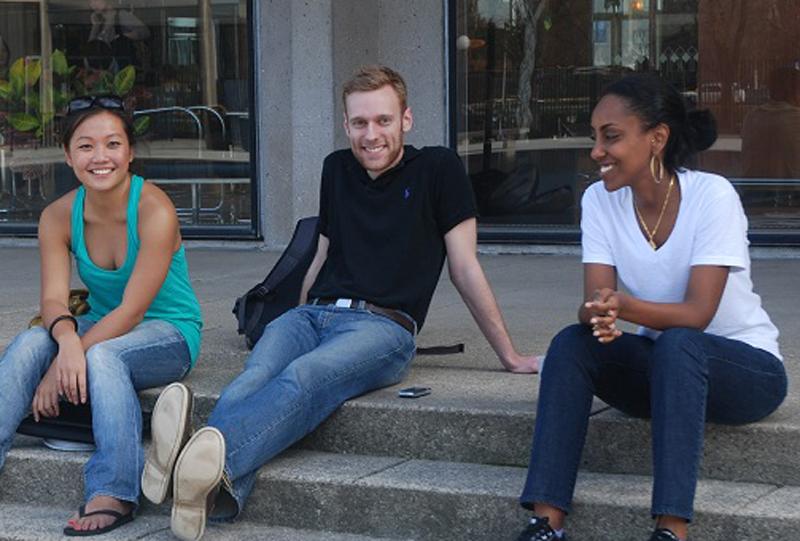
(99, 152)
(375, 124)
(622, 145)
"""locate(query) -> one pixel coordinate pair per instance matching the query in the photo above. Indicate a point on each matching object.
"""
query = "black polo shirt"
(387, 234)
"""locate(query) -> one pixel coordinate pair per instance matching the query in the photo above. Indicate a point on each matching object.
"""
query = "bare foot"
(95, 522)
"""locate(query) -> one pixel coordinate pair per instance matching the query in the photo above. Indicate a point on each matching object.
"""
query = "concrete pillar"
(304, 52)
(295, 103)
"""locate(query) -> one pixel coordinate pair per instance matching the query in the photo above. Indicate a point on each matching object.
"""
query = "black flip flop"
(120, 520)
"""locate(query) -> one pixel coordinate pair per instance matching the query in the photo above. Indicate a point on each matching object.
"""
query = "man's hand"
(604, 310)
(522, 364)
(45, 400)
(70, 364)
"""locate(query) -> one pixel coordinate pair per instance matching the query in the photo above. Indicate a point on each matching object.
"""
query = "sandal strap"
(110, 512)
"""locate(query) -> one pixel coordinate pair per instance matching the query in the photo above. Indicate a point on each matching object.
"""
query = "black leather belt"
(395, 315)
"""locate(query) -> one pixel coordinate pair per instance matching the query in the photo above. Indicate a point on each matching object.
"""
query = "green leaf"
(60, 99)
(33, 70)
(17, 69)
(5, 89)
(60, 64)
(31, 101)
(548, 23)
(23, 121)
(16, 74)
(123, 82)
(105, 84)
(47, 118)
(141, 125)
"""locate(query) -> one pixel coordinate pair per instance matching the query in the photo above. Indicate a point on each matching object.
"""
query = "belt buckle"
(343, 303)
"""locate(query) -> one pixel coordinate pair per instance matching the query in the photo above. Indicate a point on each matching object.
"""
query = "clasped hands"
(603, 311)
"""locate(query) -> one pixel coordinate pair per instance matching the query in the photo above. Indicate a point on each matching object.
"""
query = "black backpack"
(280, 290)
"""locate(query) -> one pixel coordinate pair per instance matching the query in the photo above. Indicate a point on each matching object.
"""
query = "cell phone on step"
(413, 392)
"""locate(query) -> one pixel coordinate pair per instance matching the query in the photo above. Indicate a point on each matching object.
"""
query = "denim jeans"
(308, 362)
(153, 353)
(681, 380)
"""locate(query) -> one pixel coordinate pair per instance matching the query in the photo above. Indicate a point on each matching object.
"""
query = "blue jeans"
(681, 380)
(152, 354)
(308, 362)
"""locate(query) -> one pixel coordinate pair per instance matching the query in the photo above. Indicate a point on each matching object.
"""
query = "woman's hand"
(45, 400)
(604, 310)
(70, 364)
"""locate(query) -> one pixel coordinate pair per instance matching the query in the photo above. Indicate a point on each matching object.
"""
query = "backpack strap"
(303, 236)
(441, 350)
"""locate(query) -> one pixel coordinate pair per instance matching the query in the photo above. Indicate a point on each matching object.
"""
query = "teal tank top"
(175, 302)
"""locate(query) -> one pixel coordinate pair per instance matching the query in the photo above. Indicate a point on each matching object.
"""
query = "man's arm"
(313, 269)
(467, 275)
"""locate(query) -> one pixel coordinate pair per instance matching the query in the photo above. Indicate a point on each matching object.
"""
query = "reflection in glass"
(182, 67)
(528, 73)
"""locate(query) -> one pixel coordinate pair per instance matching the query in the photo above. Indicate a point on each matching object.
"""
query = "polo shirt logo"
(407, 193)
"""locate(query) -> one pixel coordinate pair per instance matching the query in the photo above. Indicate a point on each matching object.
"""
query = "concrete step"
(423, 499)
(487, 417)
(45, 523)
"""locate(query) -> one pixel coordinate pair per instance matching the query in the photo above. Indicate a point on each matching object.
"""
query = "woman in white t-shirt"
(706, 350)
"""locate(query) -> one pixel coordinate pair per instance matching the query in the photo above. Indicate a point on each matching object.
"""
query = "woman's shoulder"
(55, 221)
(61, 208)
(703, 184)
(597, 194)
(154, 200)
(156, 211)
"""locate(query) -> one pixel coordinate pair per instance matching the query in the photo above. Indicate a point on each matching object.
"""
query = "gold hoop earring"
(660, 176)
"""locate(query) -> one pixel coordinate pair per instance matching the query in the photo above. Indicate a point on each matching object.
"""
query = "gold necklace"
(652, 234)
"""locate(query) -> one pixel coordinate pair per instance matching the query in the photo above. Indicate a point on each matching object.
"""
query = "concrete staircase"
(449, 465)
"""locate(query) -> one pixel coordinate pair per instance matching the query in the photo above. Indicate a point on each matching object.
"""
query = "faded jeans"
(152, 354)
(681, 380)
(308, 362)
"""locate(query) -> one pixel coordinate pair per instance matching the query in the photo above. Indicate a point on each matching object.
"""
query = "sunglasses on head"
(83, 103)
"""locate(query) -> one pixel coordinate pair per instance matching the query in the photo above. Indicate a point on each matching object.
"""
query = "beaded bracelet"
(61, 318)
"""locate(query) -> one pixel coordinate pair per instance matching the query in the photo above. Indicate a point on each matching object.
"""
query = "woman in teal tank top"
(143, 329)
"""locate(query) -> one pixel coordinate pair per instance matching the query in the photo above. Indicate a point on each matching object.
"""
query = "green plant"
(30, 102)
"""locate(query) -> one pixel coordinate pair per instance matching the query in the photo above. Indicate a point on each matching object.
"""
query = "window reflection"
(528, 73)
(182, 66)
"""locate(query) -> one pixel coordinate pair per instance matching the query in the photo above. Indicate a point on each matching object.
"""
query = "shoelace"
(539, 530)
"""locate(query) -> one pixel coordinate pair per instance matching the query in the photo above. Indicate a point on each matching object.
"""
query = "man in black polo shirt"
(389, 214)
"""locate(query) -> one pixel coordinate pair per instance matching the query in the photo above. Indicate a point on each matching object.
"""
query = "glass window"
(527, 76)
(183, 67)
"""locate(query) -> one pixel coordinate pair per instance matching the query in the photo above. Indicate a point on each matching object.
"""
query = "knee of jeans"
(568, 339)
(102, 361)
(677, 338)
(34, 339)
(676, 346)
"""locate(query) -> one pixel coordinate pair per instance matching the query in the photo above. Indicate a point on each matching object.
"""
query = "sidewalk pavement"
(538, 294)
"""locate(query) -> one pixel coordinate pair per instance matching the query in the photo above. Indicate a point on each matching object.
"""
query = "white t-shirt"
(711, 229)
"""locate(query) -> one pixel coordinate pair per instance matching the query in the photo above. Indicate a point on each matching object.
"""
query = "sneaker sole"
(170, 428)
(198, 473)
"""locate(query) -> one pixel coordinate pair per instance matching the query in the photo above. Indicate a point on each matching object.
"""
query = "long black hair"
(656, 102)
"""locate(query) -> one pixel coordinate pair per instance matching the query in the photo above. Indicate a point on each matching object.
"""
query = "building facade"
(237, 101)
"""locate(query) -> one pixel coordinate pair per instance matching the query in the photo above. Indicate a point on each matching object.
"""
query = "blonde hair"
(369, 78)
